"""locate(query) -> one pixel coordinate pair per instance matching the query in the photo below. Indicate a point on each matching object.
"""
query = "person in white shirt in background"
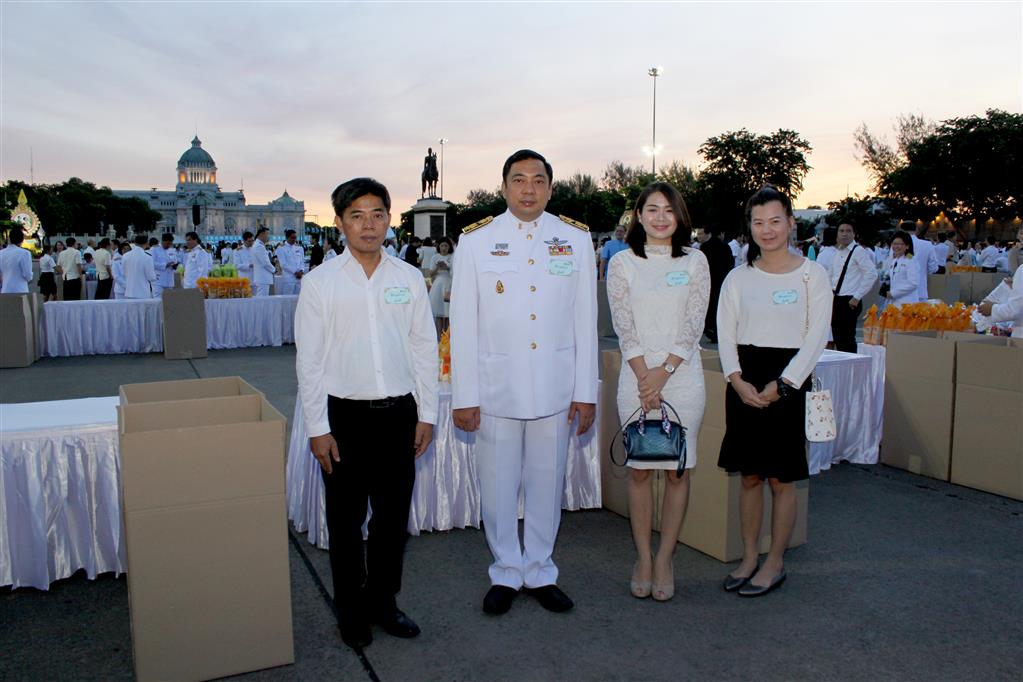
(904, 273)
(291, 257)
(426, 253)
(988, 258)
(736, 246)
(15, 264)
(103, 257)
(941, 252)
(262, 269)
(165, 262)
(197, 261)
(857, 264)
(90, 249)
(773, 321)
(242, 259)
(367, 365)
(826, 255)
(923, 254)
(1012, 309)
(1002, 262)
(70, 263)
(881, 254)
(117, 269)
(47, 276)
(139, 272)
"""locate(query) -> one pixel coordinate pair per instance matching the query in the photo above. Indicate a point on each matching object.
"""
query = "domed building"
(223, 216)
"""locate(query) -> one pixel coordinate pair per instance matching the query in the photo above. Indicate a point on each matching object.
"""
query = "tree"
(627, 181)
(681, 177)
(879, 157)
(871, 216)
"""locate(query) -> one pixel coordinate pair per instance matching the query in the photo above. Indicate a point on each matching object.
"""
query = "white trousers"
(157, 289)
(514, 454)
(288, 287)
(260, 290)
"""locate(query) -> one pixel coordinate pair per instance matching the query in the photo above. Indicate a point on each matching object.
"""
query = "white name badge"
(562, 268)
(677, 279)
(785, 297)
(397, 295)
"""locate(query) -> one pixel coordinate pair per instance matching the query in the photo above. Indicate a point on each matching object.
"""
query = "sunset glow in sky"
(306, 95)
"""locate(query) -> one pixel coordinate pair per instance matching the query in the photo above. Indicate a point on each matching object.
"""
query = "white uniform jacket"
(262, 268)
(524, 318)
(138, 273)
(292, 259)
(197, 264)
(161, 259)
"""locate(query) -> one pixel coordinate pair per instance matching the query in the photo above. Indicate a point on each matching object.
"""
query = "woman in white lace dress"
(658, 291)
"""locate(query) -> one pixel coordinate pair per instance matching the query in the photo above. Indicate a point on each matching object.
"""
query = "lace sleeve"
(695, 315)
(621, 311)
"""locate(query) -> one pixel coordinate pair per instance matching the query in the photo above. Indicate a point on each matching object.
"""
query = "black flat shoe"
(499, 599)
(397, 624)
(732, 584)
(751, 590)
(551, 598)
(356, 636)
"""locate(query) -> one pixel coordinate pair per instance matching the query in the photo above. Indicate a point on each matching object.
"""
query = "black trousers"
(710, 323)
(843, 323)
(72, 289)
(103, 288)
(989, 269)
(376, 444)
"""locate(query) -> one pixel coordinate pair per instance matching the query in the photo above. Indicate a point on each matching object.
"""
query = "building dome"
(285, 200)
(196, 156)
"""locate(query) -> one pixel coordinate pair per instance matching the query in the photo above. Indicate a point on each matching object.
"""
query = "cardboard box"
(17, 333)
(945, 287)
(605, 326)
(202, 487)
(614, 479)
(184, 324)
(984, 283)
(990, 362)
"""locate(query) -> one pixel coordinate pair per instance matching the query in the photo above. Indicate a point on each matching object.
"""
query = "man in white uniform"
(15, 265)
(165, 262)
(139, 272)
(262, 268)
(923, 253)
(524, 371)
(291, 256)
(242, 258)
(197, 261)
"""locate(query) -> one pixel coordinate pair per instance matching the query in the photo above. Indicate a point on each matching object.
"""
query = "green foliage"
(871, 216)
(879, 157)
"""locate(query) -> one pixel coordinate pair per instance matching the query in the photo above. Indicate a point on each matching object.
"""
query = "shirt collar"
(346, 256)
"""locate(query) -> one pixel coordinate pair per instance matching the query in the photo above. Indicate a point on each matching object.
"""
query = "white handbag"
(820, 413)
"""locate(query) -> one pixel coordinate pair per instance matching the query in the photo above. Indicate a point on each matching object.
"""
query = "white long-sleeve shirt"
(364, 339)
(764, 309)
(1012, 310)
(904, 278)
(15, 269)
(197, 264)
(262, 268)
(988, 257)
(927, 264)
(165, 261)
(860, 276)
(139, 273)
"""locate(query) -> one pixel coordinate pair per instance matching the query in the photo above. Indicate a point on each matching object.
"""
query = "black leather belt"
(380, 402)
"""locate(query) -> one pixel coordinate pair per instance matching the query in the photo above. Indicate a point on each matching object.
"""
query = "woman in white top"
(904, 272)
(658, 291)
(439, 271)
(47, 278)
(773, 320)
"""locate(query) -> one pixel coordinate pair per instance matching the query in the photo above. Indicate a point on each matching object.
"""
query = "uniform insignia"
(574, 223)
(499, 288)
(477, 225)
(558, 247)
(500, 250)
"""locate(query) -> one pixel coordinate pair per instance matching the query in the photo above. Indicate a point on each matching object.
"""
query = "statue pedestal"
(429, 218)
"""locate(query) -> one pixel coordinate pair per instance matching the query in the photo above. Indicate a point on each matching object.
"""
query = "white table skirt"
(136, 326)
(59, 491)
(447, 492)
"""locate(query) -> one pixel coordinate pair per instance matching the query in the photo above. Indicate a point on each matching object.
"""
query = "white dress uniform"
(197, 264)
(523, 348)
(117, 272)
(15, 269)
(262, 269)
(1012, 309)
(292, 260)
(905, 280)
(164, 275)
(242, 260)
(139, 273)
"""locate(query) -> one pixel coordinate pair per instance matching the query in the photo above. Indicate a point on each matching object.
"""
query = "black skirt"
(47, 284)
(767, 442)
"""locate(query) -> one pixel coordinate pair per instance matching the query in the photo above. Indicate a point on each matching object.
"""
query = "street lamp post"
(443, 141)
(654, 72)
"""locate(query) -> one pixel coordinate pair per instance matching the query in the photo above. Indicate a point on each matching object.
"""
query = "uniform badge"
(500, 250)
(499, 288)
(558, 247)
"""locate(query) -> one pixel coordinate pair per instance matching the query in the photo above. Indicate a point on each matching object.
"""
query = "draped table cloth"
(447, 491)
(136, 326)
(59, 491)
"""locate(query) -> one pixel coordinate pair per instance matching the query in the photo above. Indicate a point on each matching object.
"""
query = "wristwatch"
(784, 390)
(669, 368)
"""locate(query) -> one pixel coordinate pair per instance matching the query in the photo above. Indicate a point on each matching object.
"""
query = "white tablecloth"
(856, 382)
(136, 326)
(59, 499)
(447, 493)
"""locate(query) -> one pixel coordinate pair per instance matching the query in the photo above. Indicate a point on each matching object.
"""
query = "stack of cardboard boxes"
(21, 329)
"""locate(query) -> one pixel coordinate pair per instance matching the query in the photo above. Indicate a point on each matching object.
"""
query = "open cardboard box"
(202, 486)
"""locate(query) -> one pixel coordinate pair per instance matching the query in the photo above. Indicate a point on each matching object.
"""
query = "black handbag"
(653, 440)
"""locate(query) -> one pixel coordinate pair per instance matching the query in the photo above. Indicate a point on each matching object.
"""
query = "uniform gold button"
(529, 236)
(533, 346)
(532, 288)
(531, 261)
(532, 317)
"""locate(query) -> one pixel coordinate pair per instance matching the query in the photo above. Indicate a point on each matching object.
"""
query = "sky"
(305, 95)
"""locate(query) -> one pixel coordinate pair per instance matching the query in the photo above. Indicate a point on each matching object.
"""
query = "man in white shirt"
(242, 258)
(102, 258)
(90, 249)
(15, 265)
(366, 360)
(736, 246)
(852, 276)
(988, 258)
(524, 368)
(923, 254)
(291, 257)
(941, 252)
(139, 272)
(70, 263)
(165, 262)
(197, 261)
(262, 269)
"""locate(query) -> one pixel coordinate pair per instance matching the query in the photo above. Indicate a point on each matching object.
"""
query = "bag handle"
(611, 446)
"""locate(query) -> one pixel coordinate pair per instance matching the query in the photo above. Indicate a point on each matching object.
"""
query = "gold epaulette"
(575, 223)
(477, 225)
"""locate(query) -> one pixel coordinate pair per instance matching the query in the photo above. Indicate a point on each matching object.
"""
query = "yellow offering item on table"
(444, 351)
(224, 287)
(915, 317)
(964, 268)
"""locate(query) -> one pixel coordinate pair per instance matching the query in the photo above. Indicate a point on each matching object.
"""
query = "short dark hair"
(104, 243)
(46, 248)
(261, 230)
(69, 242)
(829, 237)
(525, 155)
(153, 242)
(942, 237)
(314, 237)
(16, 235)
(166, 237)
(247, 235)
(87, 257)
(428, 241)
(636, 236)
(193, 235)
(141, 239)
(761, 197)
(288, 233)
(445, 240)
(345, 194)
(712, 231)
(906, 239)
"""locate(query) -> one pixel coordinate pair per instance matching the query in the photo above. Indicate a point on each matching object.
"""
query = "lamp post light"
(654, 72)
(443, 141)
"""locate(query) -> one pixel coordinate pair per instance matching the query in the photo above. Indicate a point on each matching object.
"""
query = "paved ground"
(902, 578)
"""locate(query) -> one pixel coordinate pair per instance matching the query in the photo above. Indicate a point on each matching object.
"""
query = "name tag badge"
(785, 297)
(397, 295)
(677, 279)
(561, 268)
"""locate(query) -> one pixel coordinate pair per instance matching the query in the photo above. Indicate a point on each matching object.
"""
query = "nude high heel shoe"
(665, 592)
(639, 589)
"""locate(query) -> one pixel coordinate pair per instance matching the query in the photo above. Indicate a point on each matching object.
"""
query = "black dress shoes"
(356, 635)
(397, 624)
(499, 599)
(751, 590)
(551, 598)
(732, 584)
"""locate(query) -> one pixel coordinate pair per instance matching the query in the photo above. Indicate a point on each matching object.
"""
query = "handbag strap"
(845, 268)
